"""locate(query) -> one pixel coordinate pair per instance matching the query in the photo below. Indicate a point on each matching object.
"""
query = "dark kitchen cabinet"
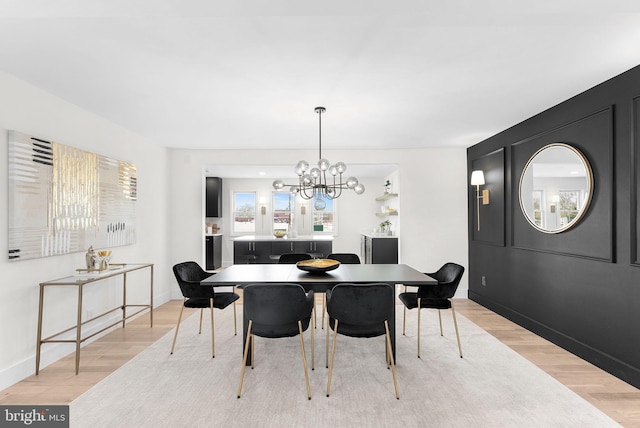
(268, 251)
(213, 252)
(249, 252)
(213, 197)
(379, 250)
(318, 249)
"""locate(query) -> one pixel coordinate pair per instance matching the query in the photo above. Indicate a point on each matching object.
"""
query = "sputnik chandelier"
(313, 183)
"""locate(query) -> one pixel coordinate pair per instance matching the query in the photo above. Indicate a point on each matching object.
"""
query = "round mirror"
(555, 188)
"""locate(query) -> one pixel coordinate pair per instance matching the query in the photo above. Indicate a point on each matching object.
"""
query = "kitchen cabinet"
(379, 249)
(248, 252)
(213, 197)
(318, 249)
(213, 252)
(267, 251)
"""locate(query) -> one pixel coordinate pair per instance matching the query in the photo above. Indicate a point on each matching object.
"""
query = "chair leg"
(404, 316)
(200, 328)
(440, 319)
(175, 336)
(455, 323)
(253, 351)
(235, 320)
(304, 360)
(324, 309)
(393, 365)
(213, 337)
(419, 328)
(326, 350)
(333, 353)
(313, 339)
(404, 321)
(244, 358)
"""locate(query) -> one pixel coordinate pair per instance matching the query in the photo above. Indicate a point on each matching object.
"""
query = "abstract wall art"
(63, 200)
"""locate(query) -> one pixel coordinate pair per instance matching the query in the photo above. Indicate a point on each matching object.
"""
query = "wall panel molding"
(592, 134)
(634, 185)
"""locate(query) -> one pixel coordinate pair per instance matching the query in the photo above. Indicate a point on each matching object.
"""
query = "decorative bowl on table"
(318, 265)
(279, 233)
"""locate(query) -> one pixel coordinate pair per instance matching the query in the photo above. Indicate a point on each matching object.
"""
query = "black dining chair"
(361, 310)
(189, 275)
(293, 258)
(435, 296)
(345, 258)
(273, 311)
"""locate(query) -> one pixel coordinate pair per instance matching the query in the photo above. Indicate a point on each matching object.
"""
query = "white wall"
(27, 109)
(432, 206)
(432, 202)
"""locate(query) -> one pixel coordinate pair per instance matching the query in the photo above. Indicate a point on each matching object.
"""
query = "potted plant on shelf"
(385, 227)
(387, 186)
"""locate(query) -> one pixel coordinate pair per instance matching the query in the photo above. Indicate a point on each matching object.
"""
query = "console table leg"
(124, 299)
(151, 297)
(39, 344)
(79, 329)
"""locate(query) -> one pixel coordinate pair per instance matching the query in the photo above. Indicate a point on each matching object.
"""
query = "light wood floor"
(57, 383)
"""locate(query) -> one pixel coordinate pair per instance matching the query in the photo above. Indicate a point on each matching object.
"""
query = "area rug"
(492, 386)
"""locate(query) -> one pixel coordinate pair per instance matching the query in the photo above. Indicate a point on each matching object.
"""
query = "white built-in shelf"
(386, 196)
(387, 213)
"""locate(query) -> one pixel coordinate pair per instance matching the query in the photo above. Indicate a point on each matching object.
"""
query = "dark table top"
(362, 273)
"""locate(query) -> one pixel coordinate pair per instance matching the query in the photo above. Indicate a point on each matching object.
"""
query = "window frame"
(334, 223)
(234, 212)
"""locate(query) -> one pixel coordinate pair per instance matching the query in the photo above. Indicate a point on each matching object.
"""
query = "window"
(569, 205)
(323, 215)
(538, 211)
(283, 205)
(244, 212)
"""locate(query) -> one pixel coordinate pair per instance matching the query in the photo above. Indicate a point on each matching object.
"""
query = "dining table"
(392, 274)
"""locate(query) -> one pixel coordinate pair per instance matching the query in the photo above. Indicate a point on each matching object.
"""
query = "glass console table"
(79, 281)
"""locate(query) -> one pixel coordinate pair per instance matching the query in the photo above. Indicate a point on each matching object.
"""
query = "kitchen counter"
(375, 235)
(286, 238)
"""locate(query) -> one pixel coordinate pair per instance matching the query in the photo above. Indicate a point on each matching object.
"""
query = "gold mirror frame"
(582, 196)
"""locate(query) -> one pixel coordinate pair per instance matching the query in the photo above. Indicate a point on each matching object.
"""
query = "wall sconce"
(303, 212)
(477, 179)
(263, 209)
(554, 203)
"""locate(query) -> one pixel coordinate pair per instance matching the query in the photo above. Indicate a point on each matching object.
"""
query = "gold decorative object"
(318, 265)
(104, 256)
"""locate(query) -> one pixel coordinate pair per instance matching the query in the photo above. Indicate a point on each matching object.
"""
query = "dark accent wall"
(579, 288)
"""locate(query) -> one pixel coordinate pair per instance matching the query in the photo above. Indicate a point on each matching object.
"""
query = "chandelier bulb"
(323, 164)
(303, 165)
(359, 189)
(319, 204)
(352, 182)
(315, 173)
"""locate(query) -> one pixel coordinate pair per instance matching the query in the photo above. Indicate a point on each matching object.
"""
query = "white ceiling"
(248, 74)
